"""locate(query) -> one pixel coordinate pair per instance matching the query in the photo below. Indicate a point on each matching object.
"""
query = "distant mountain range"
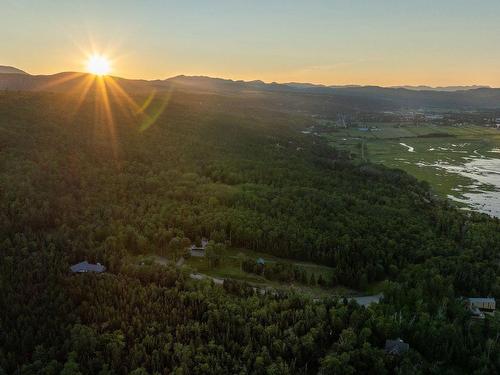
(442, 88)
(311, 98)
(10, 70)
(416, 88)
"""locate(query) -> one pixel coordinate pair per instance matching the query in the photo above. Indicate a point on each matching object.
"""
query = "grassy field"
(424, 147)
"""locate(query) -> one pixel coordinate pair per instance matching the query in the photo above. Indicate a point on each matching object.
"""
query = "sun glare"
(98, 65)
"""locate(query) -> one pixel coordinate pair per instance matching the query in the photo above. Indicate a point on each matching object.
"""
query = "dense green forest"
(98, 180)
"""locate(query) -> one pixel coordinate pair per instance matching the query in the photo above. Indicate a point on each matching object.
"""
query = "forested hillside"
(88, 178)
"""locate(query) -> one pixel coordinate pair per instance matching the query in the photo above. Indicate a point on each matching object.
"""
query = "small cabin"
(261, 261)
(85, 266)
(483, 304)
(204, 243)
(199, 251)
(396, 347)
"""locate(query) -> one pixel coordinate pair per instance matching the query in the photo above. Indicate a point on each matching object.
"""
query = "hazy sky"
(384, 42)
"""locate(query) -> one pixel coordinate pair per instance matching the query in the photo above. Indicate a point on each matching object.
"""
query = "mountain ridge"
(315, 99)
(6, 69)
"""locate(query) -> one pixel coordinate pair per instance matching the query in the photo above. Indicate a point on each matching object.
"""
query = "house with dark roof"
(396, 347)
(85, 266)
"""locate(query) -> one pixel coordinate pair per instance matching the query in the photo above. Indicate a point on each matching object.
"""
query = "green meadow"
(424, 147)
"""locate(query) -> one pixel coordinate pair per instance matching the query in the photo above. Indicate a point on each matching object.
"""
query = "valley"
(249, 187)
(304, 237)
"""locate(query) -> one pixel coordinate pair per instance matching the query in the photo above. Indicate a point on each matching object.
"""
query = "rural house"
(199, 251)
(85, 266)
(487, 305)
(396, 347)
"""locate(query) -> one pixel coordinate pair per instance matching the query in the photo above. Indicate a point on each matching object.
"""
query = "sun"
(98, 65)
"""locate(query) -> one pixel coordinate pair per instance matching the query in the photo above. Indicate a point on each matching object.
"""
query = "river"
(483, 194)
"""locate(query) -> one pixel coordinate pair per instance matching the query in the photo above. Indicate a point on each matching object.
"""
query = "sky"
(337, 42)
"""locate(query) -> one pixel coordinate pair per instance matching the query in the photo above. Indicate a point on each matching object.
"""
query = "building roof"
(87, 267)
(261, 261)
(204, 243)
(481, 300)
(396, 347)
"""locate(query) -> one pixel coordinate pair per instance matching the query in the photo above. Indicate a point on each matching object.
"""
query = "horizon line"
(325, 85)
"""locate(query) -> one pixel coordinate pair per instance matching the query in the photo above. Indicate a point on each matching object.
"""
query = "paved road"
(367, 300)
(180, 262)
(200, 276)
(160, 260)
